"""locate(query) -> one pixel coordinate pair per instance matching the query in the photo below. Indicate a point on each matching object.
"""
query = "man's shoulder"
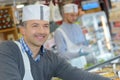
(76, 24)
(49, 53)
(8, 48)
(7, 44)
(57, 30)
(53, 57)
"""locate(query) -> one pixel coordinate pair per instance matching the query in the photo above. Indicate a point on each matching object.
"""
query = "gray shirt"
(12, 68)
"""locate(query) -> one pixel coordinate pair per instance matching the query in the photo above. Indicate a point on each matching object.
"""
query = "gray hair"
(23, 24)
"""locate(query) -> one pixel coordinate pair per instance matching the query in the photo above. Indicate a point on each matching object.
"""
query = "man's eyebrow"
(34, 24)
(46, 24)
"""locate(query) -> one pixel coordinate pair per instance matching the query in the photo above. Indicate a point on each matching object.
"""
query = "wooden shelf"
(8, 23)
(7, 30)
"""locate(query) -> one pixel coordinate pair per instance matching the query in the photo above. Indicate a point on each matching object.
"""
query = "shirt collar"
(29, 52)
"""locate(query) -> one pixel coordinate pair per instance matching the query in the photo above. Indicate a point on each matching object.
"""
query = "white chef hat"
(36, 12)
(70, 8)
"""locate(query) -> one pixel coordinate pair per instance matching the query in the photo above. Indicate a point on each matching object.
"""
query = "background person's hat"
(36, 12)
(70, 8)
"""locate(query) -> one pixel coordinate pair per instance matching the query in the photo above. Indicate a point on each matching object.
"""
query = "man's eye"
(35, 26)
(46, 26)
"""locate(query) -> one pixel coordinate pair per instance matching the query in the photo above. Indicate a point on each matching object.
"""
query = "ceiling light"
(20, 6)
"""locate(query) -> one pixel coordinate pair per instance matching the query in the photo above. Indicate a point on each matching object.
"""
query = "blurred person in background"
(69, 38)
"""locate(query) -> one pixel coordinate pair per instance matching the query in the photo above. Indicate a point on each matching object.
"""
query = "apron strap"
(27, 67)
(68, 42)
(71, 47)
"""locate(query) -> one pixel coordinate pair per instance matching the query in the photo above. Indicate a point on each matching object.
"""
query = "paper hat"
(36, 12)
(70, 8)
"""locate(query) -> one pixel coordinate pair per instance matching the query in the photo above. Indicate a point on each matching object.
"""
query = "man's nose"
(41, 29)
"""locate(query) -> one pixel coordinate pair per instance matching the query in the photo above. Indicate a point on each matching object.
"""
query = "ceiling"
(7, 2)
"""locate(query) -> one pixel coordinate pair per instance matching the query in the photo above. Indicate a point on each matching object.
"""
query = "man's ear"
(22, 30)
(64, 15)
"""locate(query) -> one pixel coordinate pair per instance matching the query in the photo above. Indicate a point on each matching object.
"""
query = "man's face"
(71, 17)
(35, 32)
